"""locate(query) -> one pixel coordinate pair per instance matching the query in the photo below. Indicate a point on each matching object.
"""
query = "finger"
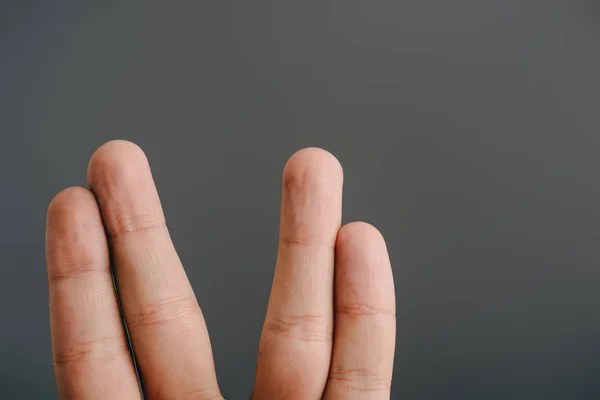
(365, 322)
(89, 347)
(167, 329)
(295, 347)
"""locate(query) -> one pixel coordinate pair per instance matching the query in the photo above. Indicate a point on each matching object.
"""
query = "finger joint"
(167, 310)
(359, 379)
(304, 327)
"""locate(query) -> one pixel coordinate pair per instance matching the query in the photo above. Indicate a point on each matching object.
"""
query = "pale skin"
(330, 324)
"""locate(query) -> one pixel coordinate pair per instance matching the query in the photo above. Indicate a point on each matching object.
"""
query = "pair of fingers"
(330, 325)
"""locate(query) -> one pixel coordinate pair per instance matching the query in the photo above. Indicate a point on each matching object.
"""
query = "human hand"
(326, 335)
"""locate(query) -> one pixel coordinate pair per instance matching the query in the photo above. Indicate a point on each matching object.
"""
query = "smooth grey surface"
(469, 131)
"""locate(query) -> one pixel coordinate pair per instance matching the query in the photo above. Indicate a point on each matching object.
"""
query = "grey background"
(469, 131)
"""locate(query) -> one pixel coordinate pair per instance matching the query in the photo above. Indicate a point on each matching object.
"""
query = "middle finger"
(295, 347)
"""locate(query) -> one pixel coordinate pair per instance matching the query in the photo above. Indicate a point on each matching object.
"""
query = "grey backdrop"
(469, 131)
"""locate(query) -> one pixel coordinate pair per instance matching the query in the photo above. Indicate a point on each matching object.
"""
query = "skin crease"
(330, 325)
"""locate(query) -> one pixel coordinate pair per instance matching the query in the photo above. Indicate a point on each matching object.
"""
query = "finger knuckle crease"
(100, 348)
(305, 328)
(166, 310)
(77, 271)
(205, 393)
(138, 223)
(290, 241)
(359, 379)
(364, 310)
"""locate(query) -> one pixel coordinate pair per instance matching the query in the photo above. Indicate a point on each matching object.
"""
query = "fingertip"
(66, 197)
(74, 231)
(361, 237)
(312, 164)
(120, 176)
(73, 205)
(362, 260)
(115, 158)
